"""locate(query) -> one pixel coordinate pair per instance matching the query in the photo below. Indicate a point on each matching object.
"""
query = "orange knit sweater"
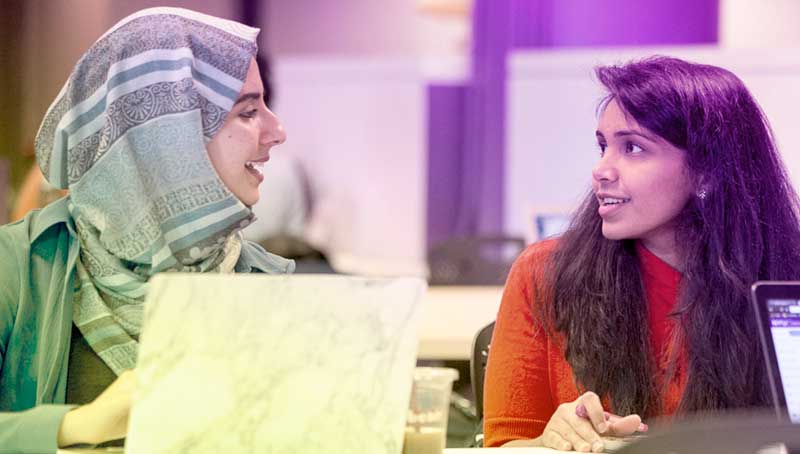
(527, 376)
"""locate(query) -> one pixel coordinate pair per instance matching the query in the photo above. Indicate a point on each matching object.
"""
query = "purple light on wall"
(445, 147)
(481, 208)
(626, 22)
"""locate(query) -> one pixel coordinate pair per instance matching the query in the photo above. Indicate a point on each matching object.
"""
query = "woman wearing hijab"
(158, 135)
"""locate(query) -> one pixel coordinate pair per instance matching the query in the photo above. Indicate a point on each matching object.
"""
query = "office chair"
(477, 369)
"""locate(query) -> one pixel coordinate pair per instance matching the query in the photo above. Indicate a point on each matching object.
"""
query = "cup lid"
(435, 374)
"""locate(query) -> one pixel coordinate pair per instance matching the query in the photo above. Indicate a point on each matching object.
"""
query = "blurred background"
(430, 137)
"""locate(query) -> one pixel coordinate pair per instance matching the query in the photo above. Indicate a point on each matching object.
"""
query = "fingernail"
(602, 427)
(580, 410)
(642, 427)
(597, 446)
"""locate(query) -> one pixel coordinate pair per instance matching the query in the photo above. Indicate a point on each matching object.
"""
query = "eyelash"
(249, 113)
(628, 148)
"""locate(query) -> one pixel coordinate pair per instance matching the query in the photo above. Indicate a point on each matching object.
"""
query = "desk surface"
(451, 315)
(770, 450)
(503, 450)
(446, 451)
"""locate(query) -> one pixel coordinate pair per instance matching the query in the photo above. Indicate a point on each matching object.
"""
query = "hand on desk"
(105, 418)
(578, 425)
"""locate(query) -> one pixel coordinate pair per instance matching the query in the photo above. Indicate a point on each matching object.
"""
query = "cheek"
(223, 156)
(670, 193)
(225, 149)
(214, 154)
(240, 141)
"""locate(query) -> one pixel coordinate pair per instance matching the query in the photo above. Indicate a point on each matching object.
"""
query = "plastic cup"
(426, 424)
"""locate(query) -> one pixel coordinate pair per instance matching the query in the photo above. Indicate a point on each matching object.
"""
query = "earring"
(702, 193)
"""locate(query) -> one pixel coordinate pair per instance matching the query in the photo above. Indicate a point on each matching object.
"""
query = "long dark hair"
(746, 228)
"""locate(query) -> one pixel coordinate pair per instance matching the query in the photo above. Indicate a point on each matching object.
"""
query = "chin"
(614, 234)
(247, 199)
(252, 201)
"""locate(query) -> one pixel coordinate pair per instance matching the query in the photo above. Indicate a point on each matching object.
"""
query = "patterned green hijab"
(127, 136)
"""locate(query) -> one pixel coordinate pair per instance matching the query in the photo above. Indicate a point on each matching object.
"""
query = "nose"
(272, 132)
(606, 169)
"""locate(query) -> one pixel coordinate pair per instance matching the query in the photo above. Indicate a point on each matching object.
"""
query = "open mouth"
(255, 167)
(608, 201)
(609, 206)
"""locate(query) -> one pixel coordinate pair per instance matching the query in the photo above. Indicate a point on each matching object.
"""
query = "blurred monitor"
(546, 224)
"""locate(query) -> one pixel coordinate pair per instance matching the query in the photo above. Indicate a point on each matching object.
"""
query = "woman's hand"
(105, 418)
(571, 428)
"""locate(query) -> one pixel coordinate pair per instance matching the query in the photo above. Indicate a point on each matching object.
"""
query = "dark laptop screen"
(784, 318)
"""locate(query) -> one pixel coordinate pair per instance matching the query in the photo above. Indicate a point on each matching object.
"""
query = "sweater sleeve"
(10, 284)
(518, 403)
(34, 430)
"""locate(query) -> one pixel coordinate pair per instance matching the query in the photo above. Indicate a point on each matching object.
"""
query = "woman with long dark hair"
(641, 308)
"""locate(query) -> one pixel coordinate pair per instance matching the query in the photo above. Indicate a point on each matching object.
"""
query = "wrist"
(527, 442)
(76, 428)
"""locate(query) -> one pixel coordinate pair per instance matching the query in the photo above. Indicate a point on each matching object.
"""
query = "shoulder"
(539, 251)
(527, 276)
(39, 223)
(17, 237)
(14, 247)
(14, 235)
(40, 233)
(533, 259)
(255, 259)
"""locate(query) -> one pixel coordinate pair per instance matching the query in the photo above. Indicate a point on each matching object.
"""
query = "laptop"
(777, 308)
(278, 364)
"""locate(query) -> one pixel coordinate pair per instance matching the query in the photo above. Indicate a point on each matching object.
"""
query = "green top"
(37, 271)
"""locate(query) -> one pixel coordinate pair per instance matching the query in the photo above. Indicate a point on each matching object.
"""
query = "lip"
(264, 158)
(609, 210)
(605, 211)
(603, 195)
(255, 174)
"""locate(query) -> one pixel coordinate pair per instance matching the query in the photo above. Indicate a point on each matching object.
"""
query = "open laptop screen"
(778, 308)
(784, 320)
(278, 364)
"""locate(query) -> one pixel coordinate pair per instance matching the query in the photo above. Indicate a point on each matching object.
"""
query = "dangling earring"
(702, 193)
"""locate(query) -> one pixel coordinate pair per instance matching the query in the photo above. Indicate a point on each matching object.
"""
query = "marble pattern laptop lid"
(278, 364)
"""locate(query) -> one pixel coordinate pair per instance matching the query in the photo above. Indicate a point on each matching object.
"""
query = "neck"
(666, 249)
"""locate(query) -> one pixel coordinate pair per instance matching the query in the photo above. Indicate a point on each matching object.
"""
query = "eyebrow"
(626, 132)
(247, 97)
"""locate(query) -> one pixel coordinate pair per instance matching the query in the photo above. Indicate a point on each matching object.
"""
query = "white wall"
(759, 23)
(552, 99)
(358, 127)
